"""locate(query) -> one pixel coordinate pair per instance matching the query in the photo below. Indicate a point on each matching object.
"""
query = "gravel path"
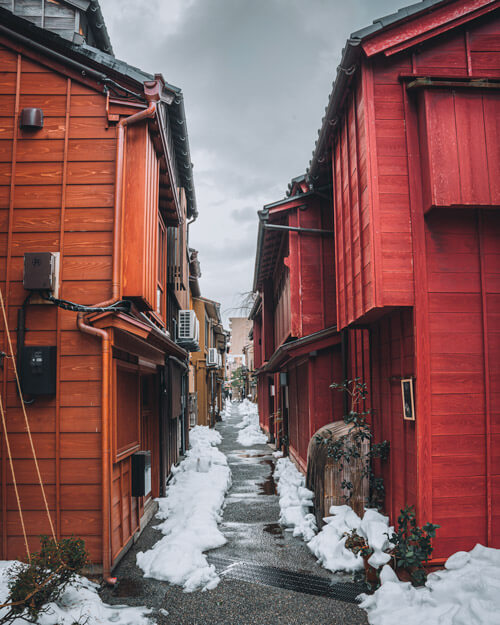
(250, 524)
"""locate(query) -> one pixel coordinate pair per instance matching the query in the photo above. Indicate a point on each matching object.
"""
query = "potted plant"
(412, 547)
(358, 545)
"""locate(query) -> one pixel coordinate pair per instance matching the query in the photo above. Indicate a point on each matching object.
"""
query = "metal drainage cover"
(288, 580)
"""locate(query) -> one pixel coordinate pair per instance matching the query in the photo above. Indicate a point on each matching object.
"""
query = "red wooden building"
(409, 156)
(104, 185)
(297, 348)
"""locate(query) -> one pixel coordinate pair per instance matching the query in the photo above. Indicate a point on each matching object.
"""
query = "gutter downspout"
(105, 439)
(152, 93)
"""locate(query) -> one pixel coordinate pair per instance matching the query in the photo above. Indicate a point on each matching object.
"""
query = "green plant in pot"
(358, 545)
(412, 547)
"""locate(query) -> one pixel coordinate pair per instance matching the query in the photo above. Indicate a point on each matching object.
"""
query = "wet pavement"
(268, 577)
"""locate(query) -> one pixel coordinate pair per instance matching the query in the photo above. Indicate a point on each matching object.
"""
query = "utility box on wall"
(38, 369)
(141, 473)
(39, 271)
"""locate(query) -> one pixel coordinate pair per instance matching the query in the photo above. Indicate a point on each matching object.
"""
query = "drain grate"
(288, 580)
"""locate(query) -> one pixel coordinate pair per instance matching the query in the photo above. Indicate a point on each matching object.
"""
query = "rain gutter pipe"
(152, 93)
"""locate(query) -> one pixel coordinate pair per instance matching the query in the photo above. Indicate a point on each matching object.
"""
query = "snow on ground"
(191, 512)
(250, 432)
(226, 412)
(295, 500)
(329, 544)
(79, 603)
(467, 592)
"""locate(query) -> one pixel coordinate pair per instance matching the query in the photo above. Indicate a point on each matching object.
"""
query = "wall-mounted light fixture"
(31, 119)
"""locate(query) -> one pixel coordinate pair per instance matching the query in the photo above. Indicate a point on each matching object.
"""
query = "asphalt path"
(256, 543)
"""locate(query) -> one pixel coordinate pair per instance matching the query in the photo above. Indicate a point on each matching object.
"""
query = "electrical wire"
(120, 306)
(26, 421)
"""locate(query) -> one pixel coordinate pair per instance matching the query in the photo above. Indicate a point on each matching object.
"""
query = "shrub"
(412, 545)
(42, 579)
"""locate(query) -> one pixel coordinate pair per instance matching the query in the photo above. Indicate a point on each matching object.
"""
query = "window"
(162, 262)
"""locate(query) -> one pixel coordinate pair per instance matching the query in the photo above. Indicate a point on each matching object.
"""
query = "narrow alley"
(267, 576)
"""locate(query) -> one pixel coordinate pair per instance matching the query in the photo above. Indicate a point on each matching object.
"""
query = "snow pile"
(226, 412)
(78, 603)
(467, 592)
(250, 432)
(329, 544)
(191, 511)
(295, 500)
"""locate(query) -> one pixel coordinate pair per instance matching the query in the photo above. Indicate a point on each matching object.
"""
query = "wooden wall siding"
(460, 156)
(325, 404)
(312, 279)
(268, 320)
(370, 163)
(282, 312)
(257, 340)
(140, 240)
(124, 508)
(262, 396)
(353, 218)
(391, 204)
(392, 357)
(464, 297)
(56, 195)
(312, 403)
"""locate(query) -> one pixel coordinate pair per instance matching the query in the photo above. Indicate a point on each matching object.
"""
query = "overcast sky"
(256, 75)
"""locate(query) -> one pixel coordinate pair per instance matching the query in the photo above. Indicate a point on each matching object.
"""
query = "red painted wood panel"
(460, 151)
(66, 427)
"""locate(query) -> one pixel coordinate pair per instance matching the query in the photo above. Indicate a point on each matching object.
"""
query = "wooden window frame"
(124, 452)
(161, 278)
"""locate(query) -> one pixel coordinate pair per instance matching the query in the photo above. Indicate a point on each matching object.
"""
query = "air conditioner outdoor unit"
(219, 359)
(188, 328)
(212, 357)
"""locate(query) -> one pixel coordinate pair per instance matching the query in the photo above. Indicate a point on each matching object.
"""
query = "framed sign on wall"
(408, 399)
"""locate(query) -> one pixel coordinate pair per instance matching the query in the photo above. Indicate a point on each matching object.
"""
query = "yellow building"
(208, 364)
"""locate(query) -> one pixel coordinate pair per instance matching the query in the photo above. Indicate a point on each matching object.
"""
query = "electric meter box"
(38, 370)
(141, 473)
(39, 271)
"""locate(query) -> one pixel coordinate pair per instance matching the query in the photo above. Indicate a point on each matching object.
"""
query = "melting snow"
(191, 512)
(328, 545)
(250, 432)
(467, 592)
(295, 500)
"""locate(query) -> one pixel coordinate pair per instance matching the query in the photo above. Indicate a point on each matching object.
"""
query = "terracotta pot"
(404, 574)
(371, 574)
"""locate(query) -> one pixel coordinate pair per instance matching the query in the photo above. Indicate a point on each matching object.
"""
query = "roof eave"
(263, 217)
(345, 72)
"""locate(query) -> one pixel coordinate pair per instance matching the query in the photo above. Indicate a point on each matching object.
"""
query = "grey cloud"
(256, 77)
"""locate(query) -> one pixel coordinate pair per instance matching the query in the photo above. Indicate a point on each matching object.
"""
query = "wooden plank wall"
(140, 234)
(460, 161)
(56, 194)
(392, 357)
(325, 404)
(390, 195)
(282, 311)
(353, 219)
(464, 293)
(312, 270)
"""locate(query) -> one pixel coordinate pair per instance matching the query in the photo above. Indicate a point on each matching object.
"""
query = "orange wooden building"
(103, 184)
(408, 156)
